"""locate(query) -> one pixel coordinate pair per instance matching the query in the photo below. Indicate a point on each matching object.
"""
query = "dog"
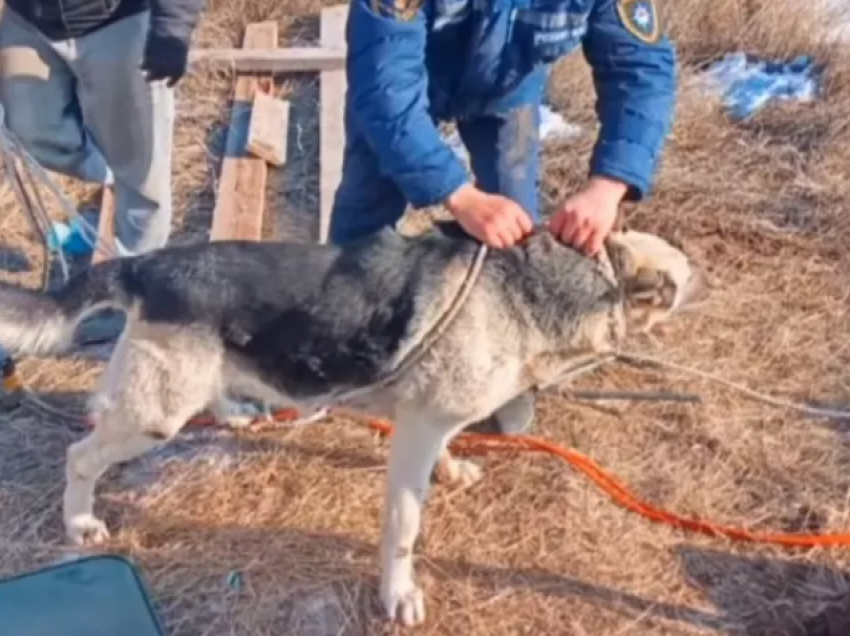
(306, 326)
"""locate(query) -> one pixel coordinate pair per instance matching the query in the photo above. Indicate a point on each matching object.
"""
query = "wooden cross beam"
(273, 60)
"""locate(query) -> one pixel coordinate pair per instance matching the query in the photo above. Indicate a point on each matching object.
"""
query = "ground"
(276, 532)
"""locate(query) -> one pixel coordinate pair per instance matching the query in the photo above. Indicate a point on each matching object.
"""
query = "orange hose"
(478, 444)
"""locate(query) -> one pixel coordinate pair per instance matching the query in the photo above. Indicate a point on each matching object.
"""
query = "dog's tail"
(38, 323)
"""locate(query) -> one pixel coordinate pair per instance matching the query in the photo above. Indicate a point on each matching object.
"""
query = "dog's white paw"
(459, 472)
(404, 602)
(87, 530)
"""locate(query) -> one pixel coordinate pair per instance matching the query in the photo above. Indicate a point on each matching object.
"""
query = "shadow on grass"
(751, 596)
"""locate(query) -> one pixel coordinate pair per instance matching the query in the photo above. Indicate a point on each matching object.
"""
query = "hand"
(494, 220)
(586, 218)
(165, 58)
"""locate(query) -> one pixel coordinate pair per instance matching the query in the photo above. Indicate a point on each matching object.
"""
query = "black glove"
(165, 57)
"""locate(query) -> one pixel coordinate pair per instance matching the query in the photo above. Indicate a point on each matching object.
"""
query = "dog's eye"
(646, 280)
(651, 287)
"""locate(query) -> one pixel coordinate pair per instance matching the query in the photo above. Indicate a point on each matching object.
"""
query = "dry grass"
(532, 549)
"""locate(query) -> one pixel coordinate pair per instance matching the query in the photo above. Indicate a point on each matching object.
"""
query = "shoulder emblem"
(640, 18)
(404, 10)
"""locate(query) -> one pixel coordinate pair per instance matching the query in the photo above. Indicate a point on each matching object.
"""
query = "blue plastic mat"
(93, 596)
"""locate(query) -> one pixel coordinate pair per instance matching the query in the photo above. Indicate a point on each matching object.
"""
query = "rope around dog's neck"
(434, 333)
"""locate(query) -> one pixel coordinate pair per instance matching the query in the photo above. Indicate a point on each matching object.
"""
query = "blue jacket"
(447, 59)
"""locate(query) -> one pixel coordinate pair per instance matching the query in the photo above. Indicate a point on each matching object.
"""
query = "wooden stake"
(241, 196)
(332, 103)
(105, 247)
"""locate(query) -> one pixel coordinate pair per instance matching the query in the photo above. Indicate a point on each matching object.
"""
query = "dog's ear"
(696, 289)
(621, 259)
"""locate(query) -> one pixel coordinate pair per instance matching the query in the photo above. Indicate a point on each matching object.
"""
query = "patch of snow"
(553, 126)
(746, 84)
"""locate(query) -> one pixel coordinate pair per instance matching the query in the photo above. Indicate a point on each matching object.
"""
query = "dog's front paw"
(458, 472)
(86, 530)
(405, 602)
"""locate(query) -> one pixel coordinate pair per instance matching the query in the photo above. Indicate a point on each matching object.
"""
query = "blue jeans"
(504, 155)
(83, 109)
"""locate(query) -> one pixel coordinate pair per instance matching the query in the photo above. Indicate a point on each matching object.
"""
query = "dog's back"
(305, 315)
(311, 319)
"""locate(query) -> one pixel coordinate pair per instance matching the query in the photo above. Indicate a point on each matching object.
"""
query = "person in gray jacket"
(87, 86)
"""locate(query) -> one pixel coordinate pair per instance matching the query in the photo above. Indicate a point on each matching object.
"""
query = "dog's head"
(657, 278)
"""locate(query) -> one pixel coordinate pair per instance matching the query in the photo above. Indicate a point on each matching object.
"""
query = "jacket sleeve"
(175, 19)
(634, 72)
(388, 98)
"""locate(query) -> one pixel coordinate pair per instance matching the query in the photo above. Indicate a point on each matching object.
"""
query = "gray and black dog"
(302, 324)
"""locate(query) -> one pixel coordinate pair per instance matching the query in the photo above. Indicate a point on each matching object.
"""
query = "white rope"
(740, 388)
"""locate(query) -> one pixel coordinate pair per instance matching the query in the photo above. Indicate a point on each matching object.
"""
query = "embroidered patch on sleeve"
(403, 10)
(640, 17)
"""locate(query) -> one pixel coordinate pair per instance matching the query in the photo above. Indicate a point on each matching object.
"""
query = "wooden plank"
(240, 203)
(272, 60)
(105, 247)
(269, 128)
(332, 91)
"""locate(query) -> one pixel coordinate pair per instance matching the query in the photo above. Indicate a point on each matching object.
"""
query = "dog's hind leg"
(414, 449)
(144, 400)
(457, 472)
(513, 418)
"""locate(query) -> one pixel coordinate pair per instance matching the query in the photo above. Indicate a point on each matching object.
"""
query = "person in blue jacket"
(485, 65)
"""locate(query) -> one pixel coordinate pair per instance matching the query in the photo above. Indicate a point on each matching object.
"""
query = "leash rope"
(433, 334)
(770, 400)
(476, 444)
(481, 444)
